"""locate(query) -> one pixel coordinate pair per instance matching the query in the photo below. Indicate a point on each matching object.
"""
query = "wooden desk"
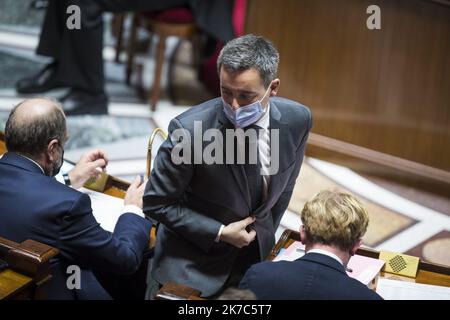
(28, 271)
(2, 143)
(14, 284)
(428, 273)
(175, 291)
(117, 188)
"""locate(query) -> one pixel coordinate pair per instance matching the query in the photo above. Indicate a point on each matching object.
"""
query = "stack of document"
(106, 209)
(402, 290)
(293, 252)
(364, 269)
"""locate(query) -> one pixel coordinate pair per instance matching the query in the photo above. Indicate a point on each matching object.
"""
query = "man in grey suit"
(217, 218)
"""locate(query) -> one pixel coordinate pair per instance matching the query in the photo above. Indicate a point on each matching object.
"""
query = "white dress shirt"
(38, 165)
(264, 148)
(327, 253)
(264, 155)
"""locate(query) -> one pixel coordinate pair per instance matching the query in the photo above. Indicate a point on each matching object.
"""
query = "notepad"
(106, 209)
(402, 290)
(293, 252)
(364, 269)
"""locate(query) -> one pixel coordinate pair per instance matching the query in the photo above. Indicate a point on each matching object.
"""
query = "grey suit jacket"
(192, 201)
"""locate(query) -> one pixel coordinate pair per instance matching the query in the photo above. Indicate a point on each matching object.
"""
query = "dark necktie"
(253, 172)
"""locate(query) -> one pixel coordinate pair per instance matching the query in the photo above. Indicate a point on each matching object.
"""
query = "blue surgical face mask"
(246, 115)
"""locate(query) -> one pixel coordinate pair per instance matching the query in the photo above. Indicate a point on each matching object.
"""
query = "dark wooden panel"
(387, 90)
(2, 143)
(28, 269)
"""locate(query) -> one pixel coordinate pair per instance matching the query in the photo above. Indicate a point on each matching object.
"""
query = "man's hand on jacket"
(236, 233)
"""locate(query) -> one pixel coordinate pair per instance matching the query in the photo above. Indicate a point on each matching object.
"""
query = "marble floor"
(398, 222)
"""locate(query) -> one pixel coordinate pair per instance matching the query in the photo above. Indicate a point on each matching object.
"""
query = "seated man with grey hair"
(34, 205)
(218, 210)
(333, 225)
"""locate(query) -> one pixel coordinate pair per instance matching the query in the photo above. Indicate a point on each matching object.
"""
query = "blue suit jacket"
(312, 277)
(35, 206)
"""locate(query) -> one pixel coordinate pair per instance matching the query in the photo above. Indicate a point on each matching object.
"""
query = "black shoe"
(41, 82)
(81, 102)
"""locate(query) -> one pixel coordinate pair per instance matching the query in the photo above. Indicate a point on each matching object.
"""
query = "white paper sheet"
(106, 209)
(295, 251)
(364, 269)
(402, 290)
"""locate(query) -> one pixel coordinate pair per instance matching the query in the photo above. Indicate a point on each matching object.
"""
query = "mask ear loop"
(267, 91)
(264, 96)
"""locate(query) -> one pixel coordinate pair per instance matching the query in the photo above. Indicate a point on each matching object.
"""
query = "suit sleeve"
(163, 198)
(83, 241)
(255, 280)
(280, 207)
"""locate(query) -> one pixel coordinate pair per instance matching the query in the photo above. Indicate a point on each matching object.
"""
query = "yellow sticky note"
(400, 264)
(97, 184)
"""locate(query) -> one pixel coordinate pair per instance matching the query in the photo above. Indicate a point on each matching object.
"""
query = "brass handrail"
(163, 134)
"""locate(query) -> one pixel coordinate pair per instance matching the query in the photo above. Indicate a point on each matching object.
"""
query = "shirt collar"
(264, 121)
(327, 253)
(39, 166)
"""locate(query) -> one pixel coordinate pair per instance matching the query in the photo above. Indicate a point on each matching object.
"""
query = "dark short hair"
(31, 137)
(248, 52)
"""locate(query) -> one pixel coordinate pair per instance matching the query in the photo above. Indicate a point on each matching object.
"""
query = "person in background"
(34, 205)
(333, 226)
(77, 54)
